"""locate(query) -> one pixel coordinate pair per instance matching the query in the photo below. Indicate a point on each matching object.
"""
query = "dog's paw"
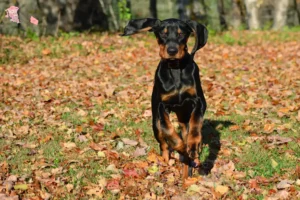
(195, 163)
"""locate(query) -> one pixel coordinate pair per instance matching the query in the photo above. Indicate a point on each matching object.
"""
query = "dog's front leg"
(172, 138)
(194, 137)
(167, 132)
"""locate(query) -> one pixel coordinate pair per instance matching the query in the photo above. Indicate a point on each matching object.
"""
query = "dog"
(177, 87)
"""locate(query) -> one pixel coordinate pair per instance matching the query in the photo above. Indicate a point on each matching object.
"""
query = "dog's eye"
(163, 35)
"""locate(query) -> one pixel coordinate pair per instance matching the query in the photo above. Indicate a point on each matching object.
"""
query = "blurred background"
(112, 15)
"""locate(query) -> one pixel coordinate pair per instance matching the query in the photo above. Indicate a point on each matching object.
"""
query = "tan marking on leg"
(172, 137)
(164, 147)
(194, 138)
(185, 172)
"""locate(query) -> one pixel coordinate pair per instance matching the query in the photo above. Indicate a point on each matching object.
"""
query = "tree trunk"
(153, 9)
(213, 15)
(280, 14)
(252, 14)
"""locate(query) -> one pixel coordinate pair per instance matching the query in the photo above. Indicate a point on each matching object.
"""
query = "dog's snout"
(172, 51)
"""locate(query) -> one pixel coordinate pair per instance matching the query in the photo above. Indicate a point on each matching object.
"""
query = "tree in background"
(112, 15)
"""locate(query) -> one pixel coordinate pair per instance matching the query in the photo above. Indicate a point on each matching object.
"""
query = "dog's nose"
(172, 51)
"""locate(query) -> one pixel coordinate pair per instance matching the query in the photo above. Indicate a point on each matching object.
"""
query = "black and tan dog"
(177, 87)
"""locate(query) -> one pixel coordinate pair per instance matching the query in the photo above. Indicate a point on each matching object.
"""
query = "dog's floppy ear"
(201, 35)
(140, 25)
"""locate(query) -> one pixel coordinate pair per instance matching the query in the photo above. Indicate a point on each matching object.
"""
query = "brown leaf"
(278, 140)
(221, 189)
(147, 113)
(234, 128)
(297, 171)
(69, 145)
(283, 184)
(190, 181)
(253, 184)
(46, 51)
(298, 116)
(98, 127)
(152, 157)
(129, 142)
(97, 147)
(98, 192)
(139, 151)
(113, 184)
(268, 128)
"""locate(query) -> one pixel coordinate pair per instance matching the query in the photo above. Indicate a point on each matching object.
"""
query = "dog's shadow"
(211, 137)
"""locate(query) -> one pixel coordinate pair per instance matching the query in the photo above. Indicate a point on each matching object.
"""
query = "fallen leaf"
(98, 127)
(46, 51)
(234, 128)
(95, 191)
(139, 151)
(69, 145)
(101, 154)
(190, 181)
(268, 128)
(283, 194)
(147, 113)
(278, 140)
(12, 178)
(253, 184)
(97, 147)
(21, 187)
(112, 168)
(221, 189)
(82, 138)
(283, 184)
(129, 142)
(298, 116)
(153, 169)
(113, 184)
(130, 173)
(193, 189)
(69, 187)
(274, 163)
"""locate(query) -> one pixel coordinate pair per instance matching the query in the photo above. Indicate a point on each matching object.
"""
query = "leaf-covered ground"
(75, 119)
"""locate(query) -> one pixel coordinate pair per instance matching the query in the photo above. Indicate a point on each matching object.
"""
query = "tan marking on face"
(164, 54)
(163, 51)
(181, 51)
(165, 30)
(179, 31)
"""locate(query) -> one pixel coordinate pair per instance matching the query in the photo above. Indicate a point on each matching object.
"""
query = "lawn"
(75, 119)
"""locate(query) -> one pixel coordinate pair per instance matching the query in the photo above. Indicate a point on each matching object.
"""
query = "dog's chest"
(178, 85)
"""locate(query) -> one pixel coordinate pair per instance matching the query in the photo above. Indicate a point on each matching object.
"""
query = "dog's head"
(171, 34)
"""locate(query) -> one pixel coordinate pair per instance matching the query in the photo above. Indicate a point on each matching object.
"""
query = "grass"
(76, 72)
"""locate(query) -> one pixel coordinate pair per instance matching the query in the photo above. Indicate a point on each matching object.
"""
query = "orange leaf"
(46, 52)
(268, 128)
